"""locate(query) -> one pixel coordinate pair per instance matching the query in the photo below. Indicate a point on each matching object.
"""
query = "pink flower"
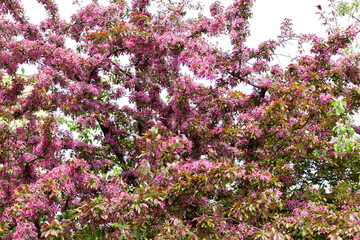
(324, 98)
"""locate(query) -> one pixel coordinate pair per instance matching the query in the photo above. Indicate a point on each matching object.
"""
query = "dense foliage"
(192, 156)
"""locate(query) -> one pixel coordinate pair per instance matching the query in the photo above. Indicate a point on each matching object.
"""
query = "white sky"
(269, 14)
(265, 24)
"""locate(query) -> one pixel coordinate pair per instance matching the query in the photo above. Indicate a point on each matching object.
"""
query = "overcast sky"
(268, 15)
(265, 24)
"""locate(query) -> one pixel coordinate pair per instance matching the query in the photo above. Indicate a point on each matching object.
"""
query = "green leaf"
(351, 131)
(349, 146)
(154, 130)
(339, 106)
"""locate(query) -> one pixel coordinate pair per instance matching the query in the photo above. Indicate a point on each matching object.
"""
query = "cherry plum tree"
(191, 156)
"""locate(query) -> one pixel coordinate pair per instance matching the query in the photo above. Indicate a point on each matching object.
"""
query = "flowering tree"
(206, 161)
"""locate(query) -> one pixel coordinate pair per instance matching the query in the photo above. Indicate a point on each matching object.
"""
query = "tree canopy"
(192, 155)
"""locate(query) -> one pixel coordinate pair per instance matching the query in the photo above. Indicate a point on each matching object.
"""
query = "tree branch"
(106, 131)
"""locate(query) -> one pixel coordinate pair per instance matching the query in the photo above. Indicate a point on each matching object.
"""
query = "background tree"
(207, 161)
